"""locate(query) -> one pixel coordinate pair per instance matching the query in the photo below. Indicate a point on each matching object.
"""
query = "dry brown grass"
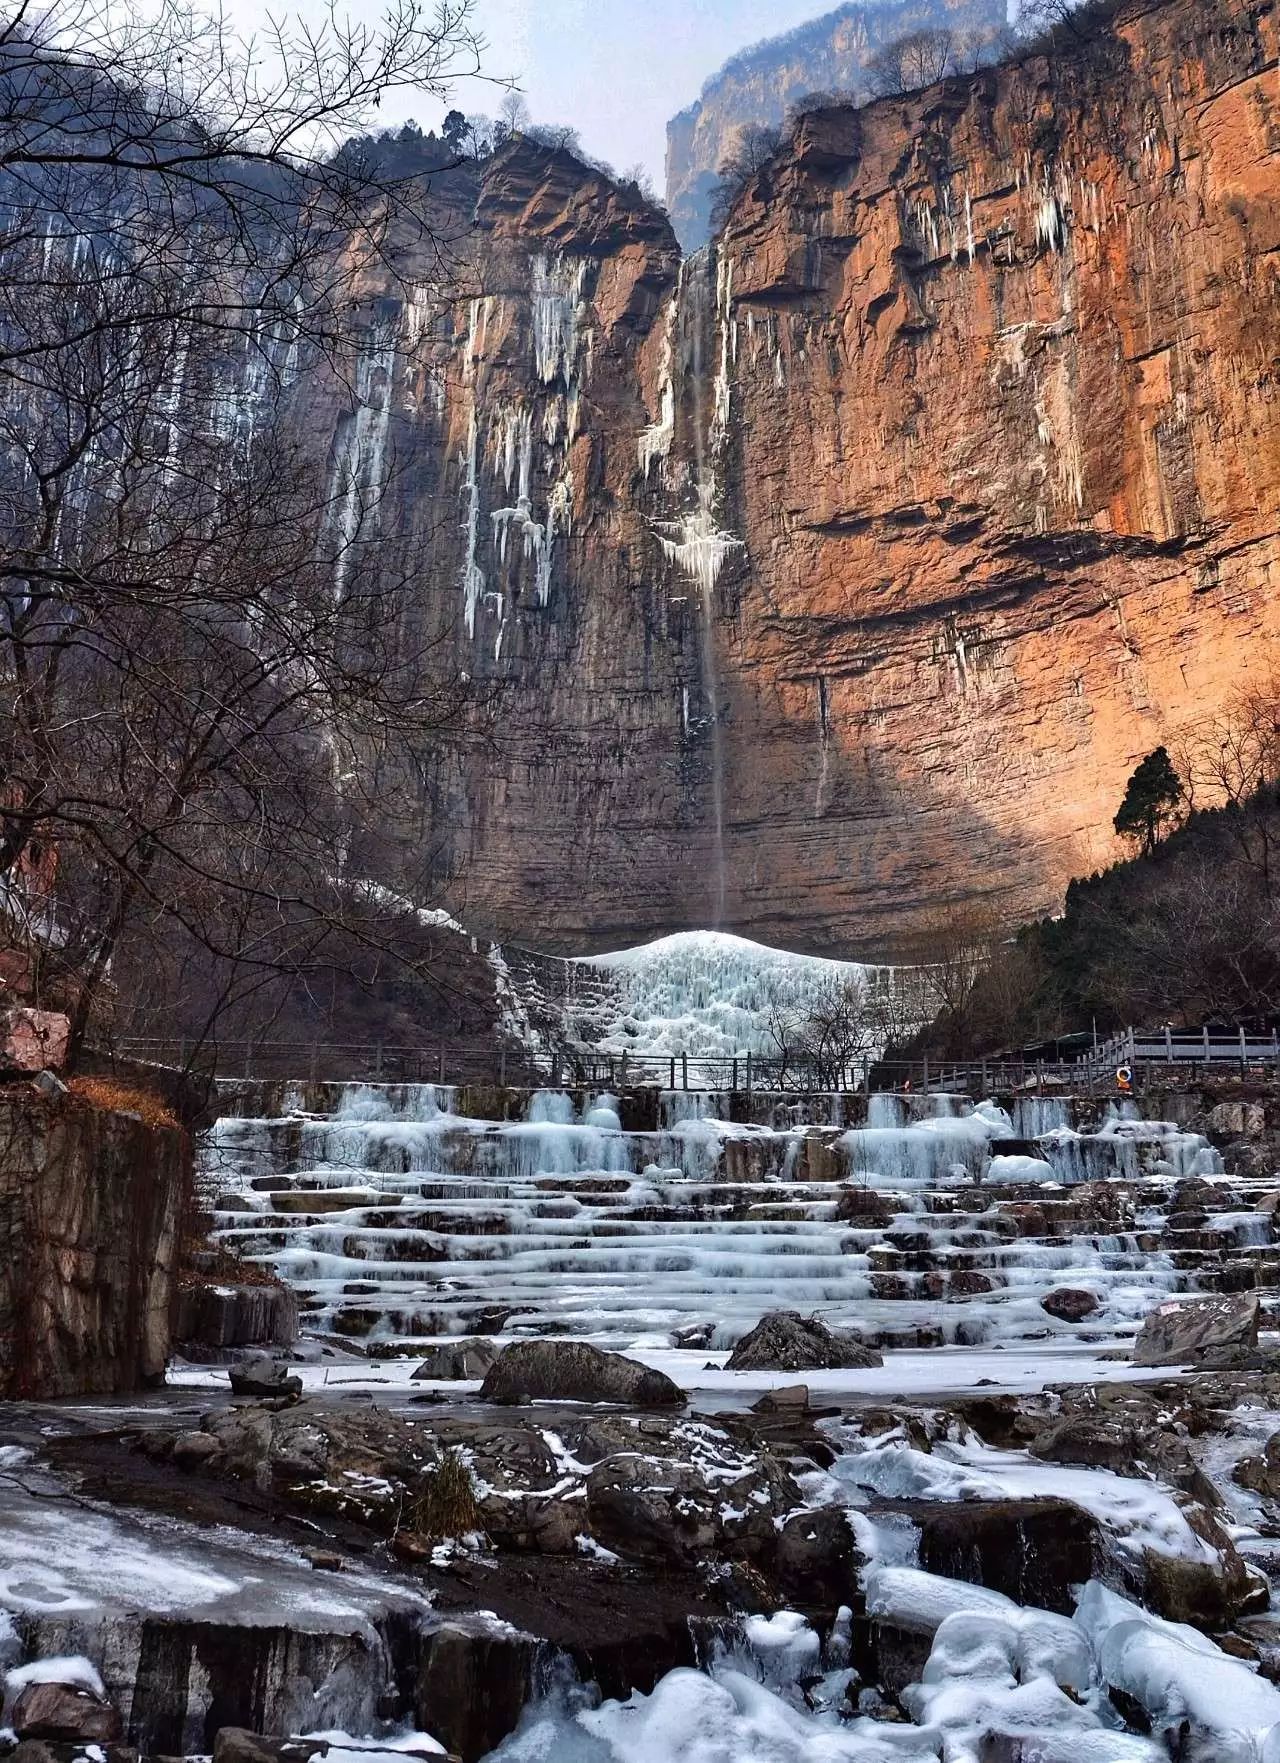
(444, 1503)
(117, 1098)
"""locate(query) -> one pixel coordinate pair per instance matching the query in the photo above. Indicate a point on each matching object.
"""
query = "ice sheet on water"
(63, 1561)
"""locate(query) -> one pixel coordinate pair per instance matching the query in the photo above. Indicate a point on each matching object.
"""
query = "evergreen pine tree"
(1151, 802)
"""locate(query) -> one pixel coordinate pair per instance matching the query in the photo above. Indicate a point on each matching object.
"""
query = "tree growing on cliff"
(754, 146)
(1233, 763)
(1153, 801)
(911, 61)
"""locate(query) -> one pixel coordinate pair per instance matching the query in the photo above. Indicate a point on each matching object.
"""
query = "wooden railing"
(446, 1064)
(1205, 1047)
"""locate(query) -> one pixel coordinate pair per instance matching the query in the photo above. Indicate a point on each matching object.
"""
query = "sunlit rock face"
(847, 567)
(1004, 456)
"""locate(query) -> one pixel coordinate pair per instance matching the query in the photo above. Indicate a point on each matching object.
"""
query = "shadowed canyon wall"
(91, 1206)
(848, 567)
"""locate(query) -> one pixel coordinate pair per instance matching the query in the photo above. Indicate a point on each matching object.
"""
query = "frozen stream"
(933, 1222)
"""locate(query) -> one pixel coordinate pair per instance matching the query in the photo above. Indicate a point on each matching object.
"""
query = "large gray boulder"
(573, 1371)
(786, 1341)
(261, 1378)
(456, 1359)
(1209, 1333)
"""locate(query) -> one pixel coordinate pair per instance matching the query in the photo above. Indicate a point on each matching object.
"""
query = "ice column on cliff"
(694, 542)
(357, 479)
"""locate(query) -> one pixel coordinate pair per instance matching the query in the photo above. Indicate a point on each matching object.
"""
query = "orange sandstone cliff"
(847, 568)
(1004, 450)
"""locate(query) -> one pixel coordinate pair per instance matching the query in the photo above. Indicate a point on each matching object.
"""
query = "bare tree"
(1233, 763)
(956, 947)
(513, 119)
(911, 61)
(754, 146)
(1047, 18)
(826, 1040)
(204, 644)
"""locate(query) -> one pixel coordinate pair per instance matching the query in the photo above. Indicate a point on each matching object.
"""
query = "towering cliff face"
(848, 568)
(827, 55)
(1006, 459)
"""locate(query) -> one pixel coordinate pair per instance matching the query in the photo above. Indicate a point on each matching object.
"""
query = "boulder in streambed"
(573, 1371)
(456, 1359)
(784, 1340)
(63, 1700)
(262, 1379)
(1209, 1333)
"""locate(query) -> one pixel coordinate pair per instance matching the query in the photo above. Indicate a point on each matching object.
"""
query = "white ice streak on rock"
(1212, 1707)
(557, 288)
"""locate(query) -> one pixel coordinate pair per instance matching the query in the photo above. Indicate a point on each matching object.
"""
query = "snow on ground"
(911, 1373)
(704, 993)
(1139, 1514)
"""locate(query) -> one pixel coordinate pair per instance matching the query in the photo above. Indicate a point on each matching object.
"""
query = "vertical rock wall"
(1006, 461)
(90, 1211)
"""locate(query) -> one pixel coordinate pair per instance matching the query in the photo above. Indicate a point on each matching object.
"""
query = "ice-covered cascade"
(696, 545)
(557, 288)
(399, 1216)
(524, 443)
(706, 994)
(511, 449)
(692, 540)
(655, 440)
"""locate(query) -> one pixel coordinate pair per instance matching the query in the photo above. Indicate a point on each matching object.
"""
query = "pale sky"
(617, 69)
